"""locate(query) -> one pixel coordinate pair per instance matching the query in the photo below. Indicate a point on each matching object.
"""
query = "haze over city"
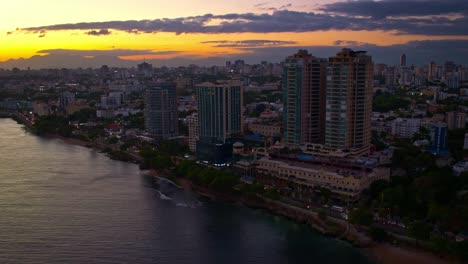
(56, 33)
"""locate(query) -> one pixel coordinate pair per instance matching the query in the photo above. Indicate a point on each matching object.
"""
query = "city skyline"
(89, 34)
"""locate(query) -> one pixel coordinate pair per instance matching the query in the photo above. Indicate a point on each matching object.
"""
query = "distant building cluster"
(306, 123)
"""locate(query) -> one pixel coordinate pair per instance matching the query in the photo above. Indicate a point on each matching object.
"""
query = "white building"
(405, 127)
(460, 167)
(113, 100)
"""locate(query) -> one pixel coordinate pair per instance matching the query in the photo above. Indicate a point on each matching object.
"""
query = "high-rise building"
(219, 119)
(403, 60)
(439, 133)
(456, 120)
(449, 67)
(391, 76)
(432, 71)
(192, 121)
(161, 110)
(304, 85)
(349, 101)
(145, 69)
(65, 99)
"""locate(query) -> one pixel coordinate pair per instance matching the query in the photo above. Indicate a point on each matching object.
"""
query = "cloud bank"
(426, 17)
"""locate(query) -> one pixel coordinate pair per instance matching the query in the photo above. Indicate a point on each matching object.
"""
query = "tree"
(322, 215)
(361, 216)
(419, 230)
(378, 234)
(112, 140)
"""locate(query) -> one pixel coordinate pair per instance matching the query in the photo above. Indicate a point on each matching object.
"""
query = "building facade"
(268, 129)
(405, 127)
(347, 182)
(304, 84)
(456, 120)
(192, 121)
(161, 111)
(219, 119)
(439, 134)
(349, 101)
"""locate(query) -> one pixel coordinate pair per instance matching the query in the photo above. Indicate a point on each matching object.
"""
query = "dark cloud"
(285, 6)
(248, 43)
(102, 32)
(397, 8)
(261, 4)
(42, 33)
(351, 43)
(112, 52)
(278, 21)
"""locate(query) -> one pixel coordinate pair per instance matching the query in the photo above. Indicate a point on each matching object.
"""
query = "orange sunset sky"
(154, 29)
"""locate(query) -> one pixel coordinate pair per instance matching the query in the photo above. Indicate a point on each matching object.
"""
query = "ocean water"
(62, 203)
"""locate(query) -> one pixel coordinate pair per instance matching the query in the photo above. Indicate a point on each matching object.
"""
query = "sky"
(89, 33)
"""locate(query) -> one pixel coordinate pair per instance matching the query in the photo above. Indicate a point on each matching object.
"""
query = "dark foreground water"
(61, 203)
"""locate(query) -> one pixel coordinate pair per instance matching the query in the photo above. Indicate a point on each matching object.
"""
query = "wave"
(162, 196)
(168, 181)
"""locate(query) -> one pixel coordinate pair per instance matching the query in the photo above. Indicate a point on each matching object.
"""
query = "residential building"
(432, 73)
(349, 101)
(304, 85)
(112, 100)
(161, 111)
(465, 145)
(403, 60)
(41, 109)
(439, 134)
(405, 127)
(65, 99)
(456, 120)
(219, 119)
(460, 167)
(192, 121)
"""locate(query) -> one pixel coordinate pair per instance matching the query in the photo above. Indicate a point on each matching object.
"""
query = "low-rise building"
(41, 109)
(460, 167)
(405, 127)
(267, 129)
(346, 181)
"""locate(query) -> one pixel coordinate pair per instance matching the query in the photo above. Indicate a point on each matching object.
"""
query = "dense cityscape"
(367, 151)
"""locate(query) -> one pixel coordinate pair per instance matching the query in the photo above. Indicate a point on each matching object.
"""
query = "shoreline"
(377, 252)
(381, 253)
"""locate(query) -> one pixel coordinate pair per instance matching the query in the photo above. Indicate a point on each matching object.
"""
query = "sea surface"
(62, 203)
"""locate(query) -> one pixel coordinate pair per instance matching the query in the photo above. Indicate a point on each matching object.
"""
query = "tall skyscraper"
(219, 119)
(403, 60)
(304, 85)
(349, 101)
(432, 71)
(161, 110)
